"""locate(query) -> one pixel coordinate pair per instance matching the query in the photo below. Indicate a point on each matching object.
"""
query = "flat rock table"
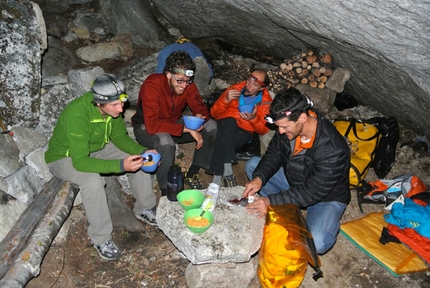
(221, 256)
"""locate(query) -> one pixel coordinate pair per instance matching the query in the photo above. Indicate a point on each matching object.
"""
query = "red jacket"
(161, 107)
(222, 109)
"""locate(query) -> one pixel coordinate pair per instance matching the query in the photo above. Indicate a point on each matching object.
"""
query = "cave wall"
(385, 45)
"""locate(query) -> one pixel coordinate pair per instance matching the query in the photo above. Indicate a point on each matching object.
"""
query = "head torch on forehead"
(272, 118)
(252, 78)
(123, 97)
(286, 113)
(188, 73)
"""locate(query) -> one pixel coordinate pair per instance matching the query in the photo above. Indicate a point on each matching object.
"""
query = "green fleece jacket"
(81, 130)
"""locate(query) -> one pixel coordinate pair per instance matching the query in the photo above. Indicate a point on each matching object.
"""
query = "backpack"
(388, 190)
(372, 143)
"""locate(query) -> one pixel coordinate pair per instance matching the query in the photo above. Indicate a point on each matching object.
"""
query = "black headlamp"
(286, 113)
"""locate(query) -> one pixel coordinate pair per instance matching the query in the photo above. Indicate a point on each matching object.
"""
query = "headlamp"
(252, 78)
(123, 97)
(286, 113)
(188, 73)
(272, 118)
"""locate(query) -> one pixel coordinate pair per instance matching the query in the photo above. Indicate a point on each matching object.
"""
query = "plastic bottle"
(210, 198)
(175, 182)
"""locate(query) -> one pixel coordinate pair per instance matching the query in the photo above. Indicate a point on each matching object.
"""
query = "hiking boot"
(194, 182)
(107, 250)
(149, 216)
(229, 181)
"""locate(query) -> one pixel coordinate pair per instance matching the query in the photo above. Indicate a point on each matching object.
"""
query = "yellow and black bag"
(363, 138)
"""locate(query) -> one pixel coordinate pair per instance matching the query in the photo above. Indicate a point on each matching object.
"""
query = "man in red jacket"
(235, 128)
(158, 120)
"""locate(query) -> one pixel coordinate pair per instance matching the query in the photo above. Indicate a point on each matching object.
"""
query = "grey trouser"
(94, 195)
(164, 143)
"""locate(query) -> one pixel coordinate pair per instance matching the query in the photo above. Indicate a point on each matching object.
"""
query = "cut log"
(23, 248)
(313, 84)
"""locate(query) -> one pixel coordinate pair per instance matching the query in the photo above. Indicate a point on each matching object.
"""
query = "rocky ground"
(151, 260)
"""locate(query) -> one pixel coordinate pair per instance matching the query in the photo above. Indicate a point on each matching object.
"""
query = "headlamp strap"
(188, 73)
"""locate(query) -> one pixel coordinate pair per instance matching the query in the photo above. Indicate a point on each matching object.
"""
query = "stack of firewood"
(306, 68)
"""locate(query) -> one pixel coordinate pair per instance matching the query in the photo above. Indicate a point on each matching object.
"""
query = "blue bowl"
(150, 166)
(193, 122)
(246, 108)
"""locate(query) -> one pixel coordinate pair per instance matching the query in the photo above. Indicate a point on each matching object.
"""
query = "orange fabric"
(299, 146)
(418, 243)
(417, 187)
(279, 264)
(221, 109)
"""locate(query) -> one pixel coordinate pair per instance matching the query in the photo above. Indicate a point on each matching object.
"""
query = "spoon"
(149, 158)
(208, 206)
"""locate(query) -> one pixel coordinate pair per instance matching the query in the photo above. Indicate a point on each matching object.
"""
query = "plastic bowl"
(190, 199)
(246, 108)
(195, 213)
(193, 122)
(150, 166)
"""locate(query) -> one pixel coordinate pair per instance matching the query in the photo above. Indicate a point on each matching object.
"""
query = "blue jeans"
(323, 218)
(277, 183)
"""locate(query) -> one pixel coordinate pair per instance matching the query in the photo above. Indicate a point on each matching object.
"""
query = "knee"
(165, 139)
(226, 123)
(210, 126)
(250, 165)
(323, 241)
(92, 182)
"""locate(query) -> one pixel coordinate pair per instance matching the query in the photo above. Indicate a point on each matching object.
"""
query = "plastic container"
(190, 199)
(210, 198)
(246, 108)
(175, 182)
(193, 213)
(193, 122)
(150, 166)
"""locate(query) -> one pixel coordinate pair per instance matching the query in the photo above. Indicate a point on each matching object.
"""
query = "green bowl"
(194, 213)
(193, 197)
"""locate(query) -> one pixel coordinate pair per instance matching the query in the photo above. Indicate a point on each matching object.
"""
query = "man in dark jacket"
(306, 164)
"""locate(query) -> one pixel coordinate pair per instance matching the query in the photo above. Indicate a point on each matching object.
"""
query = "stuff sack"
(372, 143)
(286, 249)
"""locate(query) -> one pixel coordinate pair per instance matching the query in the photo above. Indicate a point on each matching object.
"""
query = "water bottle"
(175, 182)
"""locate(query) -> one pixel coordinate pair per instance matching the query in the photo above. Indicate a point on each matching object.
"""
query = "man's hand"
(133, 163)
(198, 137)
(252, 187)
(232, 94)
(259, 206)
(248, 116)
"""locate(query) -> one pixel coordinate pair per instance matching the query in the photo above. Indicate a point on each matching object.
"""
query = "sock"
(228, 169)
(194, 169)
(217, 179)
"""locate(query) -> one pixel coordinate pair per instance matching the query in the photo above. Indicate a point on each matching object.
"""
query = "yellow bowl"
(190, 199)
(193, 213)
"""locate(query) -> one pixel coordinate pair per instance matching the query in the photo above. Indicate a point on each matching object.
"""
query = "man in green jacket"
(90, 139)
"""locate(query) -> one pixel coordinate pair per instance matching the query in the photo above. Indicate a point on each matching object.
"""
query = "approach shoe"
(108, 250)
(194, 182)
(229, 181)
(149, 216)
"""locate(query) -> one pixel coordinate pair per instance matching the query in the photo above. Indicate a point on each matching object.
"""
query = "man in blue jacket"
(306, 164)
